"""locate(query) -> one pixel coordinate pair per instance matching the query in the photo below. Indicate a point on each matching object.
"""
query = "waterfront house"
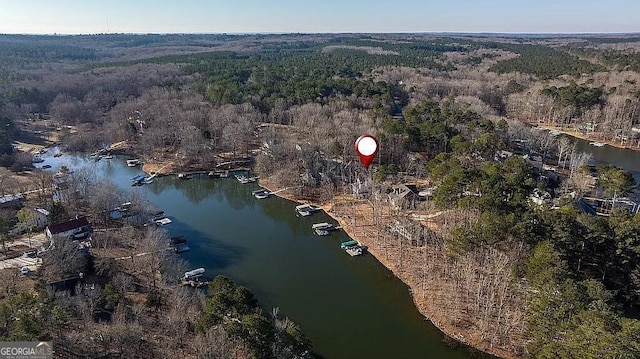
(587, 126)
(74, 229)
(403, 196)
(13, 201)
(360, 188)
(40, 217)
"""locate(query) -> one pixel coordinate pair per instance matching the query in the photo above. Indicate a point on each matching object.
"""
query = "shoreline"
(585, 137)
(346, 227)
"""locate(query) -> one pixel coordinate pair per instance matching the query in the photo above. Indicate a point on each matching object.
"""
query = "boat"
(147, 180)
(46, 166)
(195, 273)
(133, 163)
(108, 157)
(597, 144)
(261, 194)
(58, 154)
(183, 176)
(306, 209)
(37, 159)
(137, 178)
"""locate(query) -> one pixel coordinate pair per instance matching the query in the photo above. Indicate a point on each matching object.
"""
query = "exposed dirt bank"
(351, 215)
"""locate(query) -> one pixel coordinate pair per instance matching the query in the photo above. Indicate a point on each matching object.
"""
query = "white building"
(74, 229)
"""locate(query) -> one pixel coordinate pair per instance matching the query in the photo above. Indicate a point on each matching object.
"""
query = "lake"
(626, 159)
(350, 307)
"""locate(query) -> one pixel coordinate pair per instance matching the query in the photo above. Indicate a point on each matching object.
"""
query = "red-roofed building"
(74, 229)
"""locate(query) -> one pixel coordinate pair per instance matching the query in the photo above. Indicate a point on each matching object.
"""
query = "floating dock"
(162, 221)
(346, 244)
(324, 228)
(353, 248)
(246, 179)
(133, 163)
(306, 210)
(194, 283)
(261, 194)
(193, 274)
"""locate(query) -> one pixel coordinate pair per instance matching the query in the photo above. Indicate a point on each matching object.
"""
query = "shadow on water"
(207, 251)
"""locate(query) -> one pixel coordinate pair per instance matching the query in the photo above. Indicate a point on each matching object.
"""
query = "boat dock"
(346, 244)
(162, 221)
(306, 209)
(193, 274)
(140, 180)
(219, 173)
(354, 251)
(195, 283)
(179, 244)
(244, 179)
(324, 228)
(261, 193)
(133, 163)
(353, 248)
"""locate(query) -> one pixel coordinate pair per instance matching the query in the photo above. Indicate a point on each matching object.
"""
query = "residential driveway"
(31, 263)
(35, 242)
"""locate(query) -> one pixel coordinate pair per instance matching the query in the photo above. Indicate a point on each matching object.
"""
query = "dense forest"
(459, 113)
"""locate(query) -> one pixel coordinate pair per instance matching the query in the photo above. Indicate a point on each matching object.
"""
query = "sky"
(313, 16)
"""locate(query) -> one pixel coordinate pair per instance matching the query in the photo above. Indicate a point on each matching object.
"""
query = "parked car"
(30, 254)
(24, 270)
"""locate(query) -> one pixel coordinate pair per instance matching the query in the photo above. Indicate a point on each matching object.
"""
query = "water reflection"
(226, 254)
(196, 191)
(626, 159)
(349, 307)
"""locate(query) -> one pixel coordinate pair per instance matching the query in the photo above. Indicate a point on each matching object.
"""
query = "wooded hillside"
(457, 114)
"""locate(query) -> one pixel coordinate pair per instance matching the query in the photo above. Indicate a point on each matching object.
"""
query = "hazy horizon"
(332, 33)
(70, 17)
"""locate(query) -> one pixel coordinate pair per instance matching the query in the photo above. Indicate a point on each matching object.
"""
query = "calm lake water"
(626, 159)
(349, 307)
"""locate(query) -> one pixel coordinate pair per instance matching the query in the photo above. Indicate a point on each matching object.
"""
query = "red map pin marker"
(367, 148)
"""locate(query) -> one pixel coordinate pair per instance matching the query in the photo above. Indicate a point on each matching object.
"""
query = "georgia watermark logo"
(26, 350)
